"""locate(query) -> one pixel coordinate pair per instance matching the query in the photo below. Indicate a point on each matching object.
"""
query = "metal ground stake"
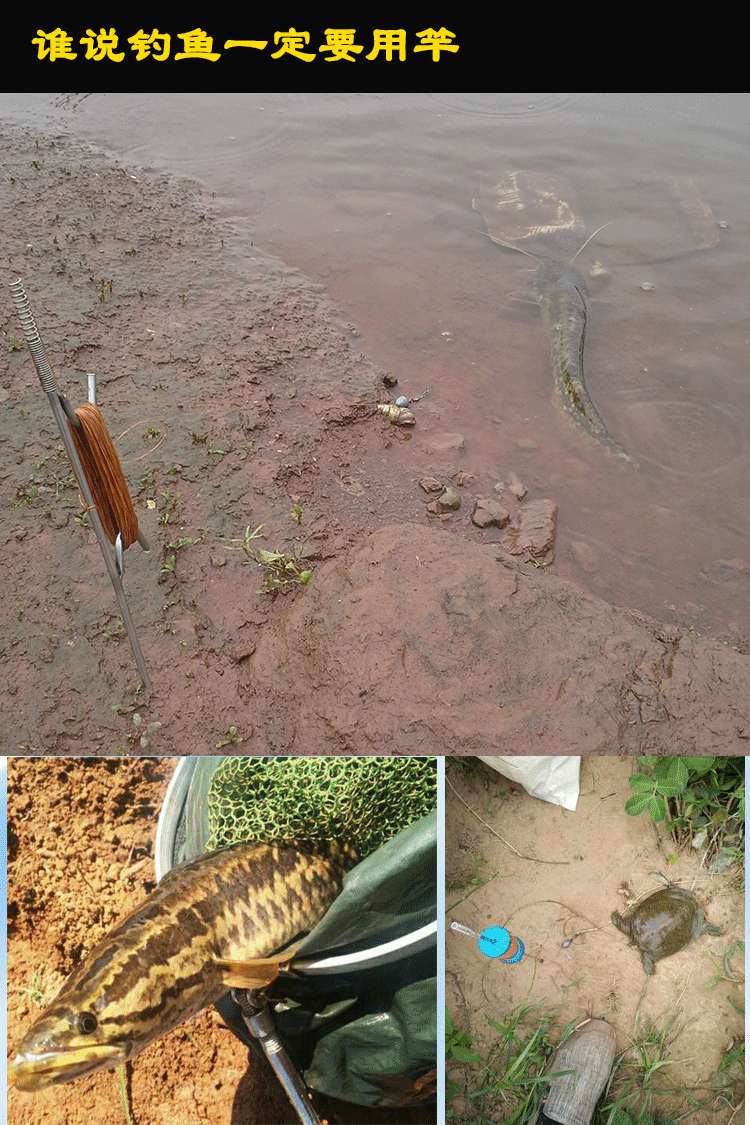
(62, 410)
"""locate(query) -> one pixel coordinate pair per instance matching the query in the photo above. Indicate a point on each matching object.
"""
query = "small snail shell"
(396, 414)
(402, 400)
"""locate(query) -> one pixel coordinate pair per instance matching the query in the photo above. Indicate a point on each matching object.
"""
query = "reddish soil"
(244, 403)
(236, 361)
(80, 842)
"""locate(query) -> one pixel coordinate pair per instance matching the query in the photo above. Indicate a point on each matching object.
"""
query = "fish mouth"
(35, 1072)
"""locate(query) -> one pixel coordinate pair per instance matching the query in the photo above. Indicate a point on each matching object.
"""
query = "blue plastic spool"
(495, 941)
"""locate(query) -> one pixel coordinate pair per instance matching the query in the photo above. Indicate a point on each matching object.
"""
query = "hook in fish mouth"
(35, 1072)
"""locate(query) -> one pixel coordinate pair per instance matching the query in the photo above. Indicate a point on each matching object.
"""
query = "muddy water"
(371, 195)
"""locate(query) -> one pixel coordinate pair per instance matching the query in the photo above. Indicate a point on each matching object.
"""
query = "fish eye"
(87, 1023)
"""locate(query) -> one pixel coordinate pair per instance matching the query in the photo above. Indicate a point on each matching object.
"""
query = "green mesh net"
(362, 801)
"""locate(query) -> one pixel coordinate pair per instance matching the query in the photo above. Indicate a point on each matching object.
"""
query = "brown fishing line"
(104, 474)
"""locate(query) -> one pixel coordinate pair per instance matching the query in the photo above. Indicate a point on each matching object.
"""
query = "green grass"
(509, 1082)
(280, 569)
(506, 1084)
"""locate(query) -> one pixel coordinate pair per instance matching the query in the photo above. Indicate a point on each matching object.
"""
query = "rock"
(725, 570)
(430, 484)
(537, 524)
(448, 500)
(488, 512)
(514, 485)
(239, 649)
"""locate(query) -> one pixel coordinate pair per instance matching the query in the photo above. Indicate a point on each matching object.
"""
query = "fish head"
(66, 1042)
(558, 277)
(109, 1008)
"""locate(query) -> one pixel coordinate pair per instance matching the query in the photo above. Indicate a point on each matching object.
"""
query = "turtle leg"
(709, 929)
(648, 963)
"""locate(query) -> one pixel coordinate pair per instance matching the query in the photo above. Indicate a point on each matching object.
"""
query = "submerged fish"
(563, 298)
(209, 925)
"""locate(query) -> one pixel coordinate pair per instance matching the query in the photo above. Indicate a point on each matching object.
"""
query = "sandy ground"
(569, 877)
(80, 838)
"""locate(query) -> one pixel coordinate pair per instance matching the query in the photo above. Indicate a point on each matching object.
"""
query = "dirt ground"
(239, 392)
(233, 361)
(80, 844)
(569, 876)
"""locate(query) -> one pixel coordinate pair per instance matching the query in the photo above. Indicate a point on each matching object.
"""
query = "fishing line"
(104, 474)
(609, 224)
(510, 246)
(141, 422)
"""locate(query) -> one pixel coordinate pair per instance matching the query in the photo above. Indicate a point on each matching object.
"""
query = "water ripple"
(684, 437)
(507, 106)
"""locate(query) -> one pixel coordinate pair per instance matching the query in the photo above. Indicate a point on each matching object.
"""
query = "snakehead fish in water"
(563, 298)
(211, 924)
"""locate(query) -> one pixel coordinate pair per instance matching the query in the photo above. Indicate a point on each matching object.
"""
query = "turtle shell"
(664, 923)
(648, 221)
(534, 210)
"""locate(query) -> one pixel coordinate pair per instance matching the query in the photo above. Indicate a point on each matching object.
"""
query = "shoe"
(589, 1052)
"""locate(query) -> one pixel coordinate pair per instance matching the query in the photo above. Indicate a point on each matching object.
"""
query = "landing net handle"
(62, 411)
(259, 1021)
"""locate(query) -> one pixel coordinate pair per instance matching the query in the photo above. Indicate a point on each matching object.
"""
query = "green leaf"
(668, 789)
(641, 783)
(464, 1055)
(698, 764)
(657, 808)
(449, 1026)
(636, 804)
(661, 767)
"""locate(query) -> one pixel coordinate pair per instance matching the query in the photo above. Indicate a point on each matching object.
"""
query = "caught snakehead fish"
(211, 924)
(563, 298)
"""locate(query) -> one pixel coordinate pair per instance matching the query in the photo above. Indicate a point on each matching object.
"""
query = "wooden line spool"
(104, 474)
